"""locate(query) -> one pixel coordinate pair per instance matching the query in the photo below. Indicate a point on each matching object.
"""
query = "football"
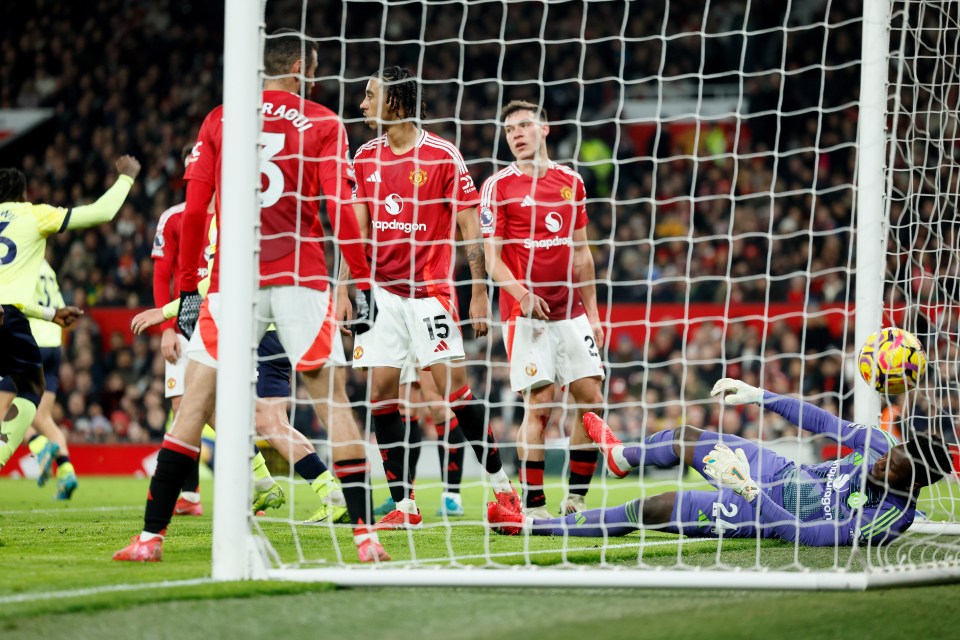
(892, 361)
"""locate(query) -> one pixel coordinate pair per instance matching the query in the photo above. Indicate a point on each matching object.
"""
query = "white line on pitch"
(66, 509)
(76, 593)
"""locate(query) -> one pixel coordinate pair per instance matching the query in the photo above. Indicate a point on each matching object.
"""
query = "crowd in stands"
(753, 207)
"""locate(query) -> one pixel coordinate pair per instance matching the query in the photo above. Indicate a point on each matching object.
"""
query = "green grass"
(48, 547)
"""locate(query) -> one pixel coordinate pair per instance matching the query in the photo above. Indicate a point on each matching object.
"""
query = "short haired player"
(533, 215)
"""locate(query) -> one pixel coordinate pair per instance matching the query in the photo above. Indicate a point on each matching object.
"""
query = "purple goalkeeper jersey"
(831, 502)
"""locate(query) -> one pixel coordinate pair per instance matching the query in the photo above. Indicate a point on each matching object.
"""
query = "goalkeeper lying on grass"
(868, 496)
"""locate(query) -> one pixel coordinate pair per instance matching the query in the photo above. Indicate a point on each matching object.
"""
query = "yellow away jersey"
(24, 228)
(47, 294)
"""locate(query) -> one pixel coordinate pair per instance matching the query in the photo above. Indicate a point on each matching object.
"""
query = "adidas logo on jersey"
(375, 176)
(528, 201)
(441, 347)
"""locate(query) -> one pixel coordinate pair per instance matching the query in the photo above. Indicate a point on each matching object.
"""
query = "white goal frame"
(235, 548)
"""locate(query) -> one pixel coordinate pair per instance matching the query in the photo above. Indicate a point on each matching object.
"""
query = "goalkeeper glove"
(190, 302)
(736, 392)
(731, 470)
(364, 312)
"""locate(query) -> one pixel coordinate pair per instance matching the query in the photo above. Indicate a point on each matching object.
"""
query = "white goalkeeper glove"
(731, 470)
(737, 392)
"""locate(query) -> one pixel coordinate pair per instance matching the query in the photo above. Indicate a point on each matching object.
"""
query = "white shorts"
(547, 352)
(174, 373)
(410, 373)
(305, 325)
(421, 330)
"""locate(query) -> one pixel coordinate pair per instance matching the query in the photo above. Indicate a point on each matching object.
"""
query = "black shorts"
(51, 357)
(19, 353)
(273, 368)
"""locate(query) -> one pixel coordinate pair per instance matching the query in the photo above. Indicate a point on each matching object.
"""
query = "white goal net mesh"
(718, 144)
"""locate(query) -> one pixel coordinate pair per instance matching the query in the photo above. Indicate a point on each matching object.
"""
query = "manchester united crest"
(418, 177)
(171, 383)
(531, 369)
(357, 353)
(566, 193)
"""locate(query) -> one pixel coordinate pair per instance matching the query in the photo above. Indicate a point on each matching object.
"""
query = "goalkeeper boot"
(268, 496)
(386, 507)
(45, 458)
(609, 444)
(451, 505)
(66, 485)
(333, 508)
(504, 519)
(510, 500)
(186, 507)
(572, 504)
(141, 551)
(405, 516)
(369, 548)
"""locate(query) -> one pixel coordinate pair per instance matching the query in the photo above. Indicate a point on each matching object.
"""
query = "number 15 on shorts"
(438, 327)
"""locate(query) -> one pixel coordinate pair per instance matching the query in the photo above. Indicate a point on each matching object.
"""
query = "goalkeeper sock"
(594, 523)
(191, 484)
(174, 463)
(354, 476)
(471, 419)
(531, 479)
(414, 438)
(310, 467)
(452, 448)
(583, 464)
(13, 430)
(37, 443)
(64, 468)
(260, 471)
(656, 450)
(388, 426)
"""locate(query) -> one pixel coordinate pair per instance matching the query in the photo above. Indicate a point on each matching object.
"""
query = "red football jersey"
(166, 257)
(536, 220)
(413, 199)
(304, 160)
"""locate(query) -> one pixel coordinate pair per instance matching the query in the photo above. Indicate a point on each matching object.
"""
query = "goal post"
(748, 219)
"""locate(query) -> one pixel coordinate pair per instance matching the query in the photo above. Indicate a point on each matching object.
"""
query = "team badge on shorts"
(566, 193)
(171, 383)
(357, 353)
(418, 177)
(531, 369)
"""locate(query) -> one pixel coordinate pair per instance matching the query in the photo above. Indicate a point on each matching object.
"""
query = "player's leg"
(22, 384)
(50, 445)
(181, 445)
(452, 445)
(537, 406)
(188, 504)
(588, 397)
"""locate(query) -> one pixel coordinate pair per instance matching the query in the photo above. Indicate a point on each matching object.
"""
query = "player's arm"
(344, 305)
(107, 205)
(802, 414)
(63, 316)
(469, 224)
(531, 305)
(787, 527)
(585, 275)
(166, 247)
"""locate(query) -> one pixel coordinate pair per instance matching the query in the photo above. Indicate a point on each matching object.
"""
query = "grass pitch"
(57, 579)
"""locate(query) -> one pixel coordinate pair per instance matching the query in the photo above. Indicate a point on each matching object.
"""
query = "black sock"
(310, 467)
(192, 481)
(414, 438)
(531, 477)
(354, 475)
(62, 460)
(583, 464)
(391, 436)
(174, 463)
(469, 414)
(452, 448)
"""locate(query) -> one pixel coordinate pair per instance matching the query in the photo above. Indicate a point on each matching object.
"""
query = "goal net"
(720, 144)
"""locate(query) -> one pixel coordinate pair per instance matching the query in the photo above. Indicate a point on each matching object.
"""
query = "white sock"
(617, 454)
(407, 505)
(144, 536)
(264, 484)
(190, 496)
(500, 482)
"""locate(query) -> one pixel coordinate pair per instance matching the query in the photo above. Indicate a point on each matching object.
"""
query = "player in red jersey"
(413, 193)
(304, 160)
(534, 218)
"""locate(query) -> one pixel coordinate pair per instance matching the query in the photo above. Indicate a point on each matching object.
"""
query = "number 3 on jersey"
(270, 145)
(11, 252)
